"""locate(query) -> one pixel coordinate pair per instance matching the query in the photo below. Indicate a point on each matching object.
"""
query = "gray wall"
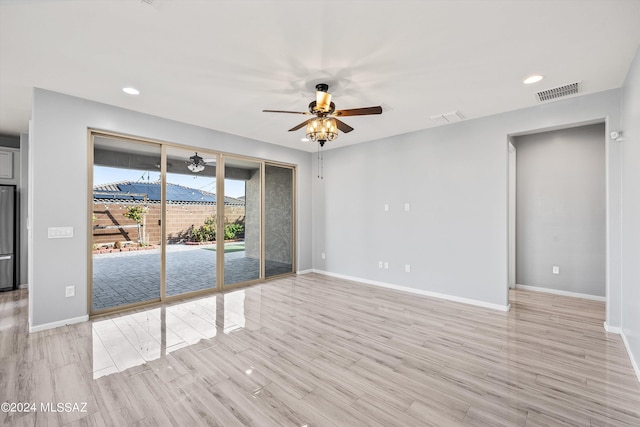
(560, 211)
(58, 137)
(630, 290)
(455, 178)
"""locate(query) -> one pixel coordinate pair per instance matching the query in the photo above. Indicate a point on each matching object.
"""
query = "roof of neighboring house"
(137, 190)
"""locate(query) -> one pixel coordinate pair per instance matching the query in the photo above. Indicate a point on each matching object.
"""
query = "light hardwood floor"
(312, 350)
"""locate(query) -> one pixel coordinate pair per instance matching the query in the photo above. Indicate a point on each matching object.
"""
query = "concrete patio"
(130, 277)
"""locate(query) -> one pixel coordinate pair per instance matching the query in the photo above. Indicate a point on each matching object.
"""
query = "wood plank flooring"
(312, 350)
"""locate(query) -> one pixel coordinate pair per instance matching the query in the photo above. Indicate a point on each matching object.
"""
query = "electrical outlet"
(407, 268)
(323, 255)
(386, 265)
(407, 207)
(556, 269)
(70, 291)
(379, 264)
(386, 207)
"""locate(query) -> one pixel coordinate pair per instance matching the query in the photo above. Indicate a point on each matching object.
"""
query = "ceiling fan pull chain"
(320, 163)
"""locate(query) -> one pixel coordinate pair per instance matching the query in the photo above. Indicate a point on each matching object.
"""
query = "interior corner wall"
(24, 203)
(455, 180)
(630, 277)
(561, 209)
(58, 161)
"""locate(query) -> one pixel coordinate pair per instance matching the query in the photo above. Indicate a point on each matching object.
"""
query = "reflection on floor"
(321, 351)
(130, 277)
(131, 340)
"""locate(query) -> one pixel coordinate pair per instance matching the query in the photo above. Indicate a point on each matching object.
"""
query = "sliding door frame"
(220, 173)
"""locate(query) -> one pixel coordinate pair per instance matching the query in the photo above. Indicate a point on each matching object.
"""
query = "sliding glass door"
(169, 221)
(190, 218)
(125, 229)
(241, 221)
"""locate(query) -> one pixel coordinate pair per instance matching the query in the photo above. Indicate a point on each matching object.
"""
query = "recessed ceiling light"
(131, 90)
(304, 139)
(533, 79)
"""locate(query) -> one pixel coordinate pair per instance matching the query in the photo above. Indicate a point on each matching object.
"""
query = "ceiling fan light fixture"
(322, 129)
(323, 101)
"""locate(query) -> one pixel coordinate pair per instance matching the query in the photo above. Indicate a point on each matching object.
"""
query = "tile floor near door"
(313, 350)
(131, 277)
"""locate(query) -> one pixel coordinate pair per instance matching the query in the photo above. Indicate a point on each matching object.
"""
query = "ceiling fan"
(324, 126)
(196, 163)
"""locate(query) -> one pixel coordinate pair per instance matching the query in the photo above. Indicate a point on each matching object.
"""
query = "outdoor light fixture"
(196, 163)
(322, 129)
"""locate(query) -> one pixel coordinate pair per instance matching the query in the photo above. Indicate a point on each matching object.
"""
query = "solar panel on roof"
(137, 190)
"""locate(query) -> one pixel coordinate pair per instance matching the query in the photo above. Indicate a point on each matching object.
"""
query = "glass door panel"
(190, 221)
(278, 220)
(242, 216)
(126, 233)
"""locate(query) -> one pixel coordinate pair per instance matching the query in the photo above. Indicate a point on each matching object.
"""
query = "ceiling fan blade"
(306, 113)
(300, 126)
(343, 126)
(359, 111)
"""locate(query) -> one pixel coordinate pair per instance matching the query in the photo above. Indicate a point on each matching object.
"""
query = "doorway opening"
(557, 212)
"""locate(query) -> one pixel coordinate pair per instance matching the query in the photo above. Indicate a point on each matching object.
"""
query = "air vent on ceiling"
(450, 117)
(558, 92)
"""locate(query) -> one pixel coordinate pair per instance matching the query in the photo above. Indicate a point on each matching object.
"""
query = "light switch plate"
(60, 232)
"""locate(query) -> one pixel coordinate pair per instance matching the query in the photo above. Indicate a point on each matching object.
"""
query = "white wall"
(513, 159)
(630, 290)
(59, 169)
(561, 210)
(455, 178)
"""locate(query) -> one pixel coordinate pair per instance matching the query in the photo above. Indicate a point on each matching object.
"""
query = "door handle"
(2, 258)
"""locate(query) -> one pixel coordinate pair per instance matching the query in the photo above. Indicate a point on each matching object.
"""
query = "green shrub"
(231, 231)
(206, 232)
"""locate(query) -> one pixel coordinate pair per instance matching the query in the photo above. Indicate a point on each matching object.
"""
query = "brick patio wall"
(180, 219)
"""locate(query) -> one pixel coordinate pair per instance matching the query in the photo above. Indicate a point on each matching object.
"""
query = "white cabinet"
(6, 165)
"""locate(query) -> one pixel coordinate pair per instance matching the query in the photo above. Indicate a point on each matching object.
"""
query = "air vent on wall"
(558, 92)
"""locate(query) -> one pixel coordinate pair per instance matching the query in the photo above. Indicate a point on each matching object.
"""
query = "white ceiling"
(218, 63)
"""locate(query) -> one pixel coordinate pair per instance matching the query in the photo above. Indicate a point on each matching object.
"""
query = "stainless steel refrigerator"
(7, 237)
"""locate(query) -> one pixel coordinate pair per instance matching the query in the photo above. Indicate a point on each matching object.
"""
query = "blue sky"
(105, 175)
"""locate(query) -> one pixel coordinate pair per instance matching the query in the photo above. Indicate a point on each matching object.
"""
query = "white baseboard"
(612, 329)
(418, 291)
(620, 331)
(59, 323)
(23, 286)
(559, 292)
(305, 271)
(630, 353)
